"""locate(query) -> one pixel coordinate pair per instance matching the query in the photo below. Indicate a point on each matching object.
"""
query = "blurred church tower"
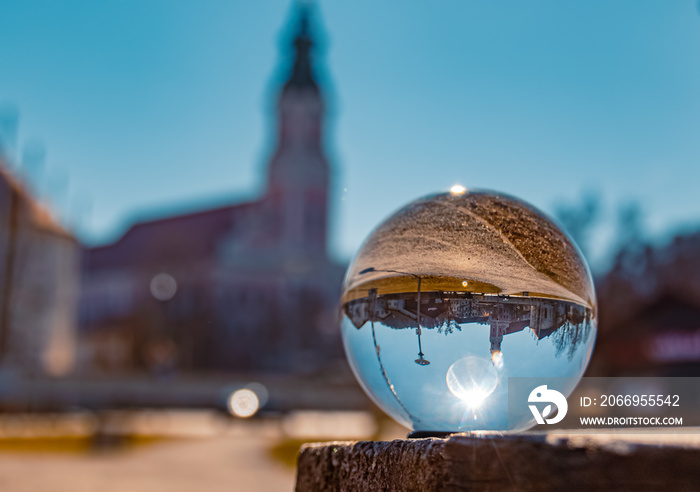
(244, 287)
(298, 174)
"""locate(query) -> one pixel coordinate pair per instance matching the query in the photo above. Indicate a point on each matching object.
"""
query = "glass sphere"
(454, 294)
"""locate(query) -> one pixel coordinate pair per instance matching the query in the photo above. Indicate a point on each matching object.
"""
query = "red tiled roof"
(176, 239)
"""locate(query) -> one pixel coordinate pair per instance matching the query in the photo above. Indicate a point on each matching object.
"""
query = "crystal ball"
(457, 292)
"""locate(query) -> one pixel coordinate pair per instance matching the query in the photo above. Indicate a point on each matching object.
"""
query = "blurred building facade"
(650, 311)
(248, 287)
(39, 284)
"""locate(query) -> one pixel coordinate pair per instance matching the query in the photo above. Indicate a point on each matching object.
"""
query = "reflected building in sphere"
(248, 287)
(446, 312)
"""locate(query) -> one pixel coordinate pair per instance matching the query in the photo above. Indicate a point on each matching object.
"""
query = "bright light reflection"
(243, 403)
(472, 379)
(457, 189)
(473, 399)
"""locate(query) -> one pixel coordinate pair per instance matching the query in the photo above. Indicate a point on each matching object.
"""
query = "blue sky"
(155, 106)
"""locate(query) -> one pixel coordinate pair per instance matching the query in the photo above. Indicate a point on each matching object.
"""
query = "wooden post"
(504, 463)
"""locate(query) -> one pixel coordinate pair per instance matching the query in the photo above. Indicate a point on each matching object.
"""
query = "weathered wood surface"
(512, 463)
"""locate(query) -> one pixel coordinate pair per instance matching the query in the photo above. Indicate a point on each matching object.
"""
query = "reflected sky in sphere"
(453, 295)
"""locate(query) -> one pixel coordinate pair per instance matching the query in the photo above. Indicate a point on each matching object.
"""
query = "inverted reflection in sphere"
(455, 293)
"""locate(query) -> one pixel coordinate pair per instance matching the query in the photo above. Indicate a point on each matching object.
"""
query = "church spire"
(302, 75)
(298, 173)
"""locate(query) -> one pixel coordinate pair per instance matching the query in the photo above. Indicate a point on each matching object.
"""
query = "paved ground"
(224, 463)
(204, 451)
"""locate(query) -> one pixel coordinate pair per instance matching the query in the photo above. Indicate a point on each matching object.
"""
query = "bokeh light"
(243, 403)
(163, 287)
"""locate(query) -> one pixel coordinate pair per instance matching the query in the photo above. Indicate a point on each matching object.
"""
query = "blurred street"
(167, 450)
(213, 464)
(220, 463)
(164, 451)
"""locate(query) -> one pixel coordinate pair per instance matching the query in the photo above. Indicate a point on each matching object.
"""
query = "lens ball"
(457, 292)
